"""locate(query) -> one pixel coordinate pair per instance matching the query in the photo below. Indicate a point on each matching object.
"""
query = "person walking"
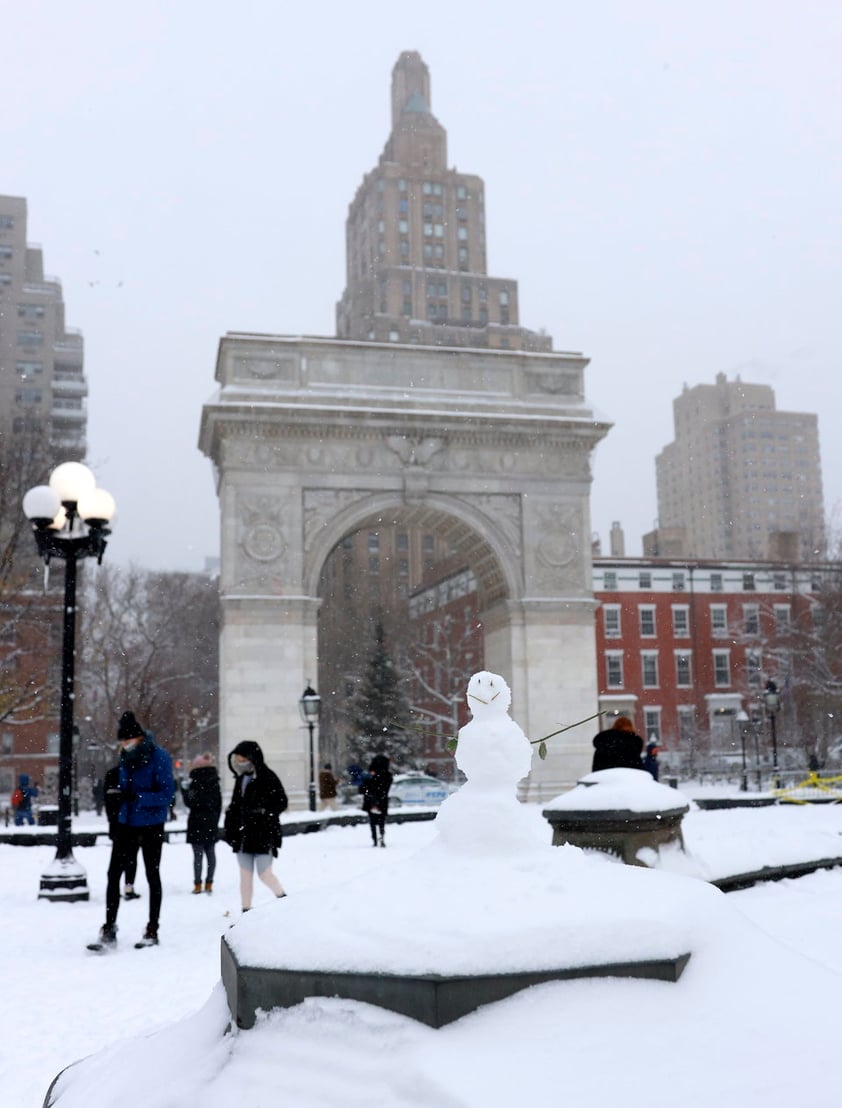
(327, 787)
(203, 798)
(253, 819)
(650, 760)
(22, 799)
(127, 852)
(375, 790)
(145, 790)
(619, 747)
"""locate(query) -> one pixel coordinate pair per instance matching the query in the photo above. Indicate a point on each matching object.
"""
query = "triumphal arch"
(313, 438)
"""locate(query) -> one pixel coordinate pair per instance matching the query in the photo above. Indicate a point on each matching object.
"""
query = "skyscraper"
(416, 259)
(42, 381)
(740, 480)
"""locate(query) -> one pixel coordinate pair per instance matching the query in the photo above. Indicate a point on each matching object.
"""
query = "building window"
(779, 581)
(467, 294)
(609, 580)
(404, 248)
(5, 253)
(27, 370)
(504, 298)
(28, 397)
(678, 580)
(402, 541)
(403, 206)
(754, 670)
(611, 621)
(403, 226)
(646, 613)
(428, 544)
(614, 669)
(680, 621)
(644, 579)
(649, 668)
(461, 192)
(751, 619)
(652, 724)
(7, 222)
(462, 234)
(401, 185)
(782, 618)
(722, 668)
(374, 564)
(716, 582)
(719, 621)
(30, 311)
(748, 582)
(686, 724)
(30, 338)
(683, 672)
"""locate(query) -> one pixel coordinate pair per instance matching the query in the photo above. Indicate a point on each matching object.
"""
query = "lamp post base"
(64, 880)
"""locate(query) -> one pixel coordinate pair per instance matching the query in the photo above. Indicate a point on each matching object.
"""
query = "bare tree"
(150, 643)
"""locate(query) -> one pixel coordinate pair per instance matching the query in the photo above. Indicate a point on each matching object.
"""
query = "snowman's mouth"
(474, 696)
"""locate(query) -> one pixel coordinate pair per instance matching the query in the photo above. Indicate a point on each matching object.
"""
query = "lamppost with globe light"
(70, 519)
(772, 700)
(310, 705)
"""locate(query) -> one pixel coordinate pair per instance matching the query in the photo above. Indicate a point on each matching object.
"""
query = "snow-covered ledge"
(619, 811)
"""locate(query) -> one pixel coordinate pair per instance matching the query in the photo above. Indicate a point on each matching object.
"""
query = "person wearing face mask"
(253, 819)
(144, 791)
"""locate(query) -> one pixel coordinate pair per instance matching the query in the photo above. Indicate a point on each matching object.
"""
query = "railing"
(812, 789)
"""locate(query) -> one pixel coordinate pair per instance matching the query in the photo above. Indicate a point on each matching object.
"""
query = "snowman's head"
(488, 695)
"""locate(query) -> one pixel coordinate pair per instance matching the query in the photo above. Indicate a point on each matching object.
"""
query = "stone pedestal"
(619, 832)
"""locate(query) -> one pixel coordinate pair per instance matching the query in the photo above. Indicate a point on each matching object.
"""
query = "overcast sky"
(663, 179)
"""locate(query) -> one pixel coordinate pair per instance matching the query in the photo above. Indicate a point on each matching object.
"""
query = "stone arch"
(310, 438)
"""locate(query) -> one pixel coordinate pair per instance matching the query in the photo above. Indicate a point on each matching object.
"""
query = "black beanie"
(129, 728)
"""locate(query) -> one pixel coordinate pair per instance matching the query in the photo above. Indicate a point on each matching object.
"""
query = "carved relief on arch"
(559, 565)
(504, 510)
(321, 506)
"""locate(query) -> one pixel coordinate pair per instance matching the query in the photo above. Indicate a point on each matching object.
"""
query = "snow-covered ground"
(753, 1014)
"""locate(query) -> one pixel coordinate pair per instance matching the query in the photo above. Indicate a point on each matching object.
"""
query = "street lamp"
(310, 705)
(772, 700)
(742, 723)
(70, 518)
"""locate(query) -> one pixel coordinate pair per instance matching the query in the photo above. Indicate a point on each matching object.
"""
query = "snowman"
(484, 816)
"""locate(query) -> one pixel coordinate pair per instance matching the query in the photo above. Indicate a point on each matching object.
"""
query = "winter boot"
(382, 841)
(208, 887)
(197, 888)
(107, 938)
(130, 894)
(150, 937)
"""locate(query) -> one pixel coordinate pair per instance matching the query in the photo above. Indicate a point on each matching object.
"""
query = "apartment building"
(740, 479)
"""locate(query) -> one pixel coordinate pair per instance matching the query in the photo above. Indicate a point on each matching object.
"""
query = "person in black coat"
(126, 852)
(375, 790)
(619, 747)
(203, 798)
(253, 819)
(650, 759)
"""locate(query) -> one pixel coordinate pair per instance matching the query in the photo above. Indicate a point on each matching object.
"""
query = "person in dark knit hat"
(203, 798)
(253, 819)
(145, 789)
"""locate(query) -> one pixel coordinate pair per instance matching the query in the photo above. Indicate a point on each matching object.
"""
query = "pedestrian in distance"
(375, 789)
(145, 789)
(253, 819)
(650, 760)
(328, 782)
(126, 851)
(21, 801)
(619, 747)
(203, 799)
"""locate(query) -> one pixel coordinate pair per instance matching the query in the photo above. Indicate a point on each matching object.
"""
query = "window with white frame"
(681, 621)
(754, 670)
(652, 724)
(751, 619)
(611, 621)
(683, 669)
(614, 669)
(719, 621)
(609, 580)
(716, 582)
(649, 668)
(721, 668)
(686, 724)
(678, 580)
(644, 579)
(646, 615)
(783, 618)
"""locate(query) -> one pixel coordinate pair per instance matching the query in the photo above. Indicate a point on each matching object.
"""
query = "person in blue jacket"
(145, 789)
(22, 799)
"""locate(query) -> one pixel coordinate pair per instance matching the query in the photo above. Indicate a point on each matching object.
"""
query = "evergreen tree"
(381, 711)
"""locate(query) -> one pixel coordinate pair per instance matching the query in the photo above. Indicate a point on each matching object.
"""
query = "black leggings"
(377, 820)
(149, 840)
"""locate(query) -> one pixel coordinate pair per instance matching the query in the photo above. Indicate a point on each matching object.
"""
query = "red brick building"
(685, 648)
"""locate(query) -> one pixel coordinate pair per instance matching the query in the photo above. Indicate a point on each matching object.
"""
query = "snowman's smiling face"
(488, 694)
